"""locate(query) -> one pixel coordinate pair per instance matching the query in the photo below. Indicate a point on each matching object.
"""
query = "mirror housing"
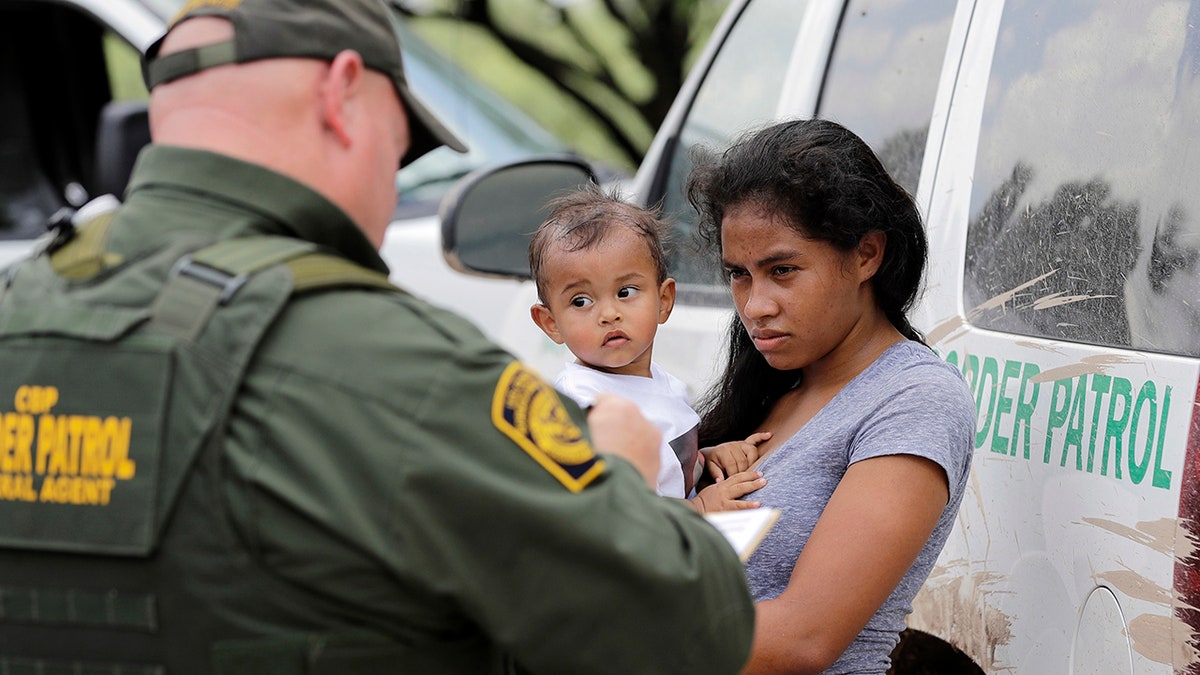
(490, 215)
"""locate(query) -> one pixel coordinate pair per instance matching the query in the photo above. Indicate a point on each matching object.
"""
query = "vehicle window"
(740, 91)
(49, 107)
(883, 76)
(494, 130)
(1083, 218)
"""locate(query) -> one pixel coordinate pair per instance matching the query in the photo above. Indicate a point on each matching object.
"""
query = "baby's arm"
(723, 496)
(733, 457)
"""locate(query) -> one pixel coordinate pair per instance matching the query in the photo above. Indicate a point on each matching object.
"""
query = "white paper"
(744, 528)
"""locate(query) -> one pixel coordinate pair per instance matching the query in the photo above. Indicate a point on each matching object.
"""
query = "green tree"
(600, 73)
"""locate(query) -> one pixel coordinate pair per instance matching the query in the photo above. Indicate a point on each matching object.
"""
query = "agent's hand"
(733, 457)
(618, 428)
(723, 496)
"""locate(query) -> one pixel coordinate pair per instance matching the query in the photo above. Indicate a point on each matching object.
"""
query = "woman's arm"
(876, 523)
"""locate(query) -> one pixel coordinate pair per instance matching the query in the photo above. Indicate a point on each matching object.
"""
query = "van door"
(1065, 284)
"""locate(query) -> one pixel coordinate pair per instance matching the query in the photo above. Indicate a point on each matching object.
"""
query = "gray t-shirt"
(907, 402)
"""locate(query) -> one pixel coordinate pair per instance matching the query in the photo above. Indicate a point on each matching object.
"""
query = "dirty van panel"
(1063, 285)
(740, 91)
(1085, 222)
(883, 75)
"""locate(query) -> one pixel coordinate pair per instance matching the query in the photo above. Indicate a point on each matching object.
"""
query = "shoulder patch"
(528, 410)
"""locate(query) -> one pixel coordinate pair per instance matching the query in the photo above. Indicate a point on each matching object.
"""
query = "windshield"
(494, 129)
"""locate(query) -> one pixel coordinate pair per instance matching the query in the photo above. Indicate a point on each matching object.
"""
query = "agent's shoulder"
(380, 309)
(361, 326)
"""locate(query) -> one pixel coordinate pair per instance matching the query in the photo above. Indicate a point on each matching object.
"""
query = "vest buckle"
(228, 283)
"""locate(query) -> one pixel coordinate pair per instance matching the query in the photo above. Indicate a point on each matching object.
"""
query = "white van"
(1053, 150)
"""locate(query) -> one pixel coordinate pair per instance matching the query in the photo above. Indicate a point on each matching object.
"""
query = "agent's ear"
(868, 256)
(343, 81)
(666, 299)
(544, 319)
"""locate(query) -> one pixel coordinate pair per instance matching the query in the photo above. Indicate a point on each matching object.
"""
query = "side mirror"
(490, 215)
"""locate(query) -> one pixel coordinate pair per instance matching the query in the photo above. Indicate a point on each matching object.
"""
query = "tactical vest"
(116, 378)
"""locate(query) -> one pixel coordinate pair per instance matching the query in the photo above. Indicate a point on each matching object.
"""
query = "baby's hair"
(582, 218)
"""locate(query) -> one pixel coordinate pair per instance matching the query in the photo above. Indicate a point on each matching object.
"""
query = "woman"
(871, 431)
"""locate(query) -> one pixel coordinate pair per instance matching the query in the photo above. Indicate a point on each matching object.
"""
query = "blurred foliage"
(124, 69)
(601, 74)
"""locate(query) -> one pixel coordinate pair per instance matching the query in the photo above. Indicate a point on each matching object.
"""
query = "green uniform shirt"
(388, 462)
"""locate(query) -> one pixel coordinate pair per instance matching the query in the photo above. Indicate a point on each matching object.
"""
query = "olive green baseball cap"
(317, 29)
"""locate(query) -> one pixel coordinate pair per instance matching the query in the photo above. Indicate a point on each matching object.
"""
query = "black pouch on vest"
(104, 406)
(116, 379)
(81, 433)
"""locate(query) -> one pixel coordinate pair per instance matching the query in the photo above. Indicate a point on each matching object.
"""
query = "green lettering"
(1060, 404)
(1162, 477)
(1114, 431)
(1100, 387)
(1023, 420)
(952, 359)
(1146, 396)
(1004, 406)
(990, 374)
(1074, 437)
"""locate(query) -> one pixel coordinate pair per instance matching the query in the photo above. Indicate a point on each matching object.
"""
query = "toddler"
(603, 289)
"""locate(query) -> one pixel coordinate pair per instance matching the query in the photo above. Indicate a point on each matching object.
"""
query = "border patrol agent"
(228, 445)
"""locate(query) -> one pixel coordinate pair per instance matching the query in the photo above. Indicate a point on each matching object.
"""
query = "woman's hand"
(733, 457)
(723, 496)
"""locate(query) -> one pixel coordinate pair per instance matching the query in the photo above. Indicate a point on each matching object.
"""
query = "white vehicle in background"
(73, 116)
(1053, 148)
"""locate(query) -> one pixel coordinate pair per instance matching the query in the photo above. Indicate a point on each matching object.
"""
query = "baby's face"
(605, 302)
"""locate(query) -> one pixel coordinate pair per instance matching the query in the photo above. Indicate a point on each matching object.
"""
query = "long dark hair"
(829, 186)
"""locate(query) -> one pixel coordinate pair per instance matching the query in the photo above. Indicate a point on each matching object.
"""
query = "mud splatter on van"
(953, 604)
(1088, 365)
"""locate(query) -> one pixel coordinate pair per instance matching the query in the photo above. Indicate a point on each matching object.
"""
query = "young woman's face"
(799, 299)
(605, 302)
